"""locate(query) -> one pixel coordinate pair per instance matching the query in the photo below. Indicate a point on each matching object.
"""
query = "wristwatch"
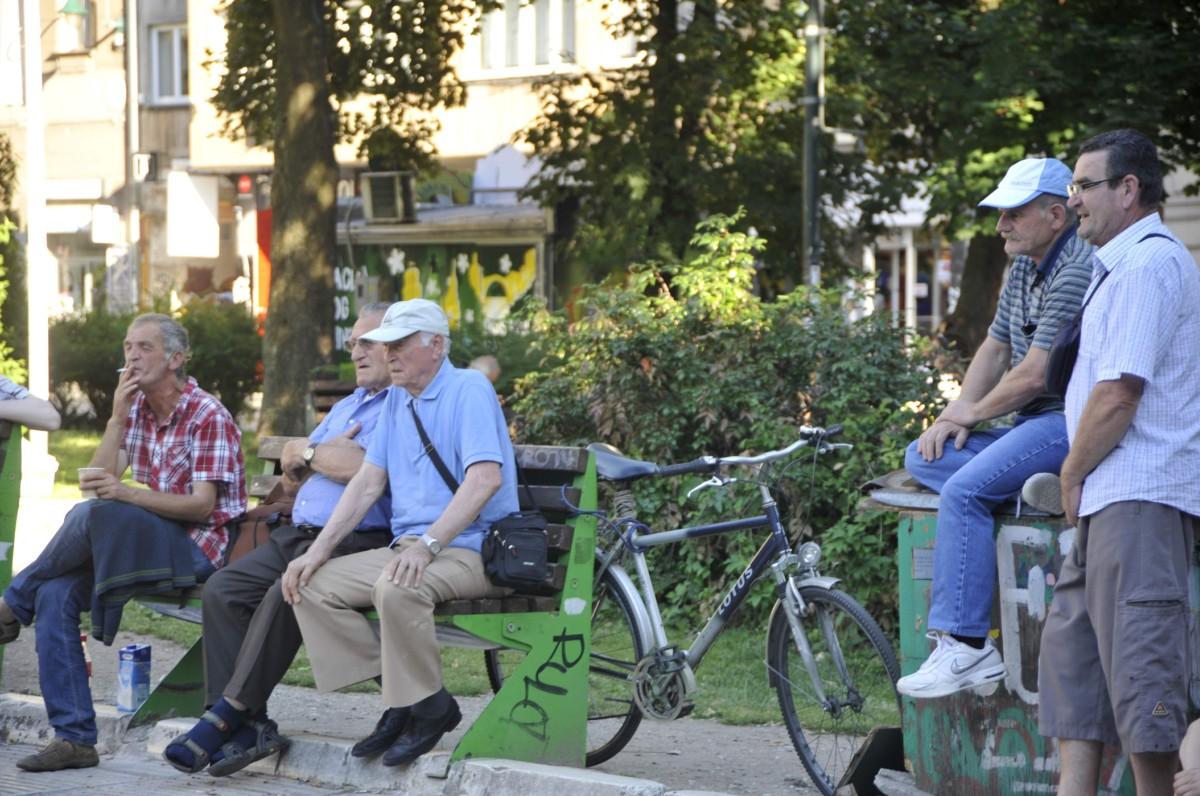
(308, 455)
(434, 545)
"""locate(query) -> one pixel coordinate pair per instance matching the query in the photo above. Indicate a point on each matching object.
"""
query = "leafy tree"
(949, 93)
(707, 118)
(291, 69)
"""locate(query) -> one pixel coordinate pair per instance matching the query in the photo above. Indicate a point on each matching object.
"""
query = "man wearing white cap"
(441, 419)
(983, 468)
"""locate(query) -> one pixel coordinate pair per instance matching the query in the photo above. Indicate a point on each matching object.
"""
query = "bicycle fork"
(796, 608)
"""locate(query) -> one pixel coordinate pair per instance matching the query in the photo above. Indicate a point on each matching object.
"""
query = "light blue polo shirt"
(319, 494)
(463, 419)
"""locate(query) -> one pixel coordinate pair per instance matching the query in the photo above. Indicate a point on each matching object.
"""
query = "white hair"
(426, 340)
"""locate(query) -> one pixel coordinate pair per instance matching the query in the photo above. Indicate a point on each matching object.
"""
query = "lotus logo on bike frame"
(742, 582)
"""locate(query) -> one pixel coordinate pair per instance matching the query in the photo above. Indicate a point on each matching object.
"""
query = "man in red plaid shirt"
(185, 447)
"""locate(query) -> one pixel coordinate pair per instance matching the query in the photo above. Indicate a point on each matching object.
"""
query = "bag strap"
(1100, 282)
(427, 446)
(444, 471)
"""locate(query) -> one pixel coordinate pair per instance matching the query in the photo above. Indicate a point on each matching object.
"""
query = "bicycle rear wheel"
(859, 695)
(617, 646)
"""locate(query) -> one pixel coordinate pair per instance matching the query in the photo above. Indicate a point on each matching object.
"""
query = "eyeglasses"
(1076, 188)
(367, 345)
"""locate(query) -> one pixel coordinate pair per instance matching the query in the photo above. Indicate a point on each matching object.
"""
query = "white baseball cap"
(406, 318)
(1026, 179)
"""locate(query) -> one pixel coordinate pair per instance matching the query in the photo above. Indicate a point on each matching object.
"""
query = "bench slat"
(559, 537)
(261, 485)
(548, 498)
(272, 447)
(551, 457)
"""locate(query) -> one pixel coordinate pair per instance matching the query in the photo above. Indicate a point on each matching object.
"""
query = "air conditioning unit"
(388, 197)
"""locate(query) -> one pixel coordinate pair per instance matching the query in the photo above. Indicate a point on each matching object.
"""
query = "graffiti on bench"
(529, 714)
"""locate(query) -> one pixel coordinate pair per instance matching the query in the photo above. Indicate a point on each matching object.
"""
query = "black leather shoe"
(421, 736)
(387, 730)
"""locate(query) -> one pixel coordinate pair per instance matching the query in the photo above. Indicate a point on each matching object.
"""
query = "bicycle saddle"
(611, 465)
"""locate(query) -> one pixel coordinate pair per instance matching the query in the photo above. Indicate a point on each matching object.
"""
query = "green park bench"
(10, 498)
(539, 713)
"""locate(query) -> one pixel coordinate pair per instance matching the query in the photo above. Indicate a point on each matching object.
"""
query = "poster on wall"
(475, 284)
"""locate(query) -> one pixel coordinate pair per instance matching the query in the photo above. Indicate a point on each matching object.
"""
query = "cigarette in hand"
(122, 370)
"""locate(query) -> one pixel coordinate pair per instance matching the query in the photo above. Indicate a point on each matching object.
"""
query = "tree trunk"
(983, 275)
(299, 332)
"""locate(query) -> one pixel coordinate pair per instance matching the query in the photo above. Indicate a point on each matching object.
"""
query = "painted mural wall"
(476, 284)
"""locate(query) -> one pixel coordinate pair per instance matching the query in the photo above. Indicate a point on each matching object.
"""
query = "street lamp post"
(814, 123)
(39, 266)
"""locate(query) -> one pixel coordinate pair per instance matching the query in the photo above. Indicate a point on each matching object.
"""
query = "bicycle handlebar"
(807, 435)
(704, 464)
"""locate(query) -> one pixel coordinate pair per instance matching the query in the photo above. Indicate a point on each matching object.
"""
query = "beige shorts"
(1114, 658)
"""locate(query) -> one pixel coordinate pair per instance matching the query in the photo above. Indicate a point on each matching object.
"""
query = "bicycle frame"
(774, 554)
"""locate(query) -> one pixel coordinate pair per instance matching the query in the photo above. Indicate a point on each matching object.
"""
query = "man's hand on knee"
(407, 568)
(298, 573)
(932, 443)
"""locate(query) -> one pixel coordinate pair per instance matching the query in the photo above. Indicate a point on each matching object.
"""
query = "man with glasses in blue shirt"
(1114, 666)
(976, 470)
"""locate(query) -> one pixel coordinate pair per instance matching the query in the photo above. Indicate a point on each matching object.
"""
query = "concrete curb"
(23, 720)
(325, 761)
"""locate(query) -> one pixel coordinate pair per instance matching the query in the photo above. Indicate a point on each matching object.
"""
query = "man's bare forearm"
(107, 454)
(481, 482)
(360, 494)
(194, 508)
(1106, 417)
(31, 412)
(1016, 388)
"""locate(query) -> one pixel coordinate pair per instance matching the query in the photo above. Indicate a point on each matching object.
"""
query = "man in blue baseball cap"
(981, 469)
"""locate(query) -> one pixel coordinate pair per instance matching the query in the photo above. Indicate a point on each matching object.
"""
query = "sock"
(433, 706)
(975, 642)
(245, 736)
(206, 735)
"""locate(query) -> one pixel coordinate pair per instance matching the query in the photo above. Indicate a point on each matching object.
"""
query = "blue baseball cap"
(1026, 179)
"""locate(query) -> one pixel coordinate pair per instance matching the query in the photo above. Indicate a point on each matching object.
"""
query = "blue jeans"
(56, 588)
(991, 468)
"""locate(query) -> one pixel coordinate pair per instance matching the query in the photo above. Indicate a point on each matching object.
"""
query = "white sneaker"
(1043, 491)
(953, 666)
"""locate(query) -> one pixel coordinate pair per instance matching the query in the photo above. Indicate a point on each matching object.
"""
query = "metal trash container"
(986, 742)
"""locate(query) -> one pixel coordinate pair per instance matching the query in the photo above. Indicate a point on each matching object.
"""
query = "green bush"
(226, 350)
(85, 352)
(682, 360)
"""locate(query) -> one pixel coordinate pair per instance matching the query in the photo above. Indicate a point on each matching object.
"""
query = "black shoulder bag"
(516, 548)
(1065, 349)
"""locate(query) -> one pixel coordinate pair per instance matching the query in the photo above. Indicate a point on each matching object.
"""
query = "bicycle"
(830, 664)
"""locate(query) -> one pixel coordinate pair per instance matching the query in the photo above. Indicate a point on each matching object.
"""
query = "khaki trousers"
(343, 646)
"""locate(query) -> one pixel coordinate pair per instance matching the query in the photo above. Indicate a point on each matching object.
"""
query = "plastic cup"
(88, 493)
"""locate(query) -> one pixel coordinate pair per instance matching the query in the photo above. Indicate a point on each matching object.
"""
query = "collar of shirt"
(1110, 255)
(434, 388)
(143, 409)
(1046, 266)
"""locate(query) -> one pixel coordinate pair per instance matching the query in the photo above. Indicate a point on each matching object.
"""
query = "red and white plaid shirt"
(199, 442)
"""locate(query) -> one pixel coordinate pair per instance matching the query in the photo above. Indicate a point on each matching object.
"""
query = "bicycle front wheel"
(856, 669)
(617, 646)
